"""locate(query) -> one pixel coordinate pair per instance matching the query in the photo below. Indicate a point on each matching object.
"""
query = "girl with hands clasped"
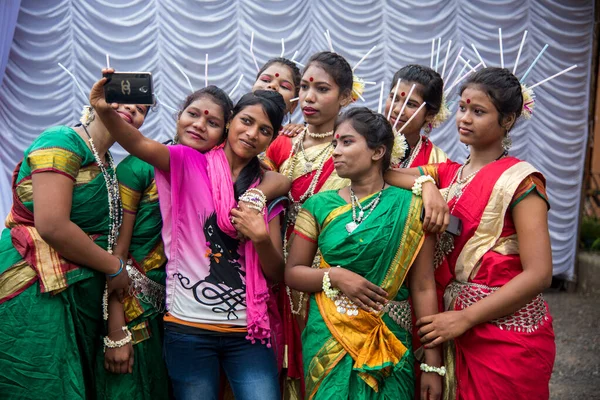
(496, 329)
(357, 341)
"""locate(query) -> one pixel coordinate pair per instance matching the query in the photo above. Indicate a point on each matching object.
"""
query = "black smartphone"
(129, 88)
(454, 227)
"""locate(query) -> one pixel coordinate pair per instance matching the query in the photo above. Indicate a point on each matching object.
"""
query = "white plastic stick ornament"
(404, 105)
(519, 53)
(85, 96)
(564, 71)
(364, 57)
(478, 55)
(446, 59)
(380, 109)
(206, 71)
(252, 51)
(394, 99)
(453, 65)
(501, 50)
(411, 118)
(185, 76)
(236, 85)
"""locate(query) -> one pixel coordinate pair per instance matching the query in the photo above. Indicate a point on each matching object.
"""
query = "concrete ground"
(577, 328)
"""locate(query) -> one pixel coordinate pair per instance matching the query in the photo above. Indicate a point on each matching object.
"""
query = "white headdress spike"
(411, 118)
(364, 58)
(432, 52)
(329, 42)
(252, 51)
(534, 62)
(185, 76)
(478, 55)
(107, 61)
(501, 52)
(467, 62)
(459, 74)
(446, 59)
(294, 59)
(404, 105)
(206, 71)
(163, 104)
(519, 53)
(380, 108)
(85, 96)
(453, 65)
(282, 48)
(456, 82)
(394, 98)
(437, 55)
(554, 76)
(294, 99)
(236, 85)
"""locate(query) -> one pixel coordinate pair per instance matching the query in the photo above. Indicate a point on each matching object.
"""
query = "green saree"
(143, 314)
(367, 356)
(51, 309)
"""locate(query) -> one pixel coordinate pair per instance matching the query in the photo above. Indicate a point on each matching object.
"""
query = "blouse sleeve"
(56, 150)
(533, 183)
(134, 177)
(306, 225)
(431, 170)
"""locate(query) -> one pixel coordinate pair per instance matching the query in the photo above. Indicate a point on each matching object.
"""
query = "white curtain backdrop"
(150, 35)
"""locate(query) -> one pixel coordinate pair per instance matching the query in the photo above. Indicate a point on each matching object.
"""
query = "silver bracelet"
(112, 344)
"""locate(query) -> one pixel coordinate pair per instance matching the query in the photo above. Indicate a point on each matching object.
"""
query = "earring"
(506, 142)
(176, 139)
(227, 126)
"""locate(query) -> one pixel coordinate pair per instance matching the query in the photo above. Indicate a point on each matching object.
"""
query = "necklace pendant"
(307, 167)
(351, 227)
(361, 214)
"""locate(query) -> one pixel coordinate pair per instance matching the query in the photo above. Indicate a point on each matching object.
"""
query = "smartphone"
(454, 227)
(129, 88)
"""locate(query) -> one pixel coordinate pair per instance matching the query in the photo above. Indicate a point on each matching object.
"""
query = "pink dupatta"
(257, 291)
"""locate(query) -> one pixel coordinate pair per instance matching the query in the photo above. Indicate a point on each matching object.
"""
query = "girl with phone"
(220, 313)
(372, 244)
(54, 262)
(496, 332)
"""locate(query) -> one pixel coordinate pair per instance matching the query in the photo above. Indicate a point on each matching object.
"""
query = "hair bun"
(273, 96)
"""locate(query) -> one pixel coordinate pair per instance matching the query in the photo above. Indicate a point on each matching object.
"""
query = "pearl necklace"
(318, 135)
(413, 154)
(357, 220)
(115, 207)
(308, 163)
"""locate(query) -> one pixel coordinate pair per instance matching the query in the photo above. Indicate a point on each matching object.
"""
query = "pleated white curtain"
(152, 35)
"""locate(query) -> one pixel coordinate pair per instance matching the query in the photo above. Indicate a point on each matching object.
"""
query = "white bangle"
(111, 344)
(330, 292)
(441, 371)
(417, 188)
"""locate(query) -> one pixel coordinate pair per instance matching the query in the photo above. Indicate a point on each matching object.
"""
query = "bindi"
(402, 94)
(337, 136)
(277, 75)
(468, 101)
(205, 112)
(311, 79)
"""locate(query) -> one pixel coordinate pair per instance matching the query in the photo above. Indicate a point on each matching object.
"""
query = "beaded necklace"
(318, 135)
(115, 207)
(413, 154)
(357, 220)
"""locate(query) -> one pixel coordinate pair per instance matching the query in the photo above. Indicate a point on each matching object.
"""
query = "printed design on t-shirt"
(224, 288)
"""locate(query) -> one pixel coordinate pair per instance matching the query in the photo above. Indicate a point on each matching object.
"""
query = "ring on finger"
(233, 220)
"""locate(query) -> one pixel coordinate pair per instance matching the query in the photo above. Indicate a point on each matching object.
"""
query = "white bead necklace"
(115, 207)
(361, 217)
(413, 154)
(318, 135)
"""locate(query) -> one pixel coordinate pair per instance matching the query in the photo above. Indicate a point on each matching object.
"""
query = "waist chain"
(527, 319)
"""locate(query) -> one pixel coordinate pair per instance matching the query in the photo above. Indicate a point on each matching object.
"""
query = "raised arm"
(274, 185)
(132, 140)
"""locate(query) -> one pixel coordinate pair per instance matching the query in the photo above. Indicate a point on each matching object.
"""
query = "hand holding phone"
(454, 227)
(129, 88)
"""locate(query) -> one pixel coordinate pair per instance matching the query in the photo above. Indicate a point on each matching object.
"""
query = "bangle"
(330, 292)
(119, 271)
(441, 371)
(255, 198)
(417, 188)
(112, 344)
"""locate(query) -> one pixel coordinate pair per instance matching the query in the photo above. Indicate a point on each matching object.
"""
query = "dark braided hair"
(336, 66)
(274, 106)
(374, 127)
(430, 85)
(296, 76)
(502, 87)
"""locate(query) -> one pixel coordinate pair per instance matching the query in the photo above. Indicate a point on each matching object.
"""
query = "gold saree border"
(437, 155)
(16, 278)
(490, 226)
(54, 158)
(321, 365)
(130, 198)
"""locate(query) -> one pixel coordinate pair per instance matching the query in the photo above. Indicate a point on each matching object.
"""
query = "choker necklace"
(361, 217)
(318, 135)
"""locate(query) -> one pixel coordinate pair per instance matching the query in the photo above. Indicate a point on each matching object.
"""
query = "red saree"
(511, 357)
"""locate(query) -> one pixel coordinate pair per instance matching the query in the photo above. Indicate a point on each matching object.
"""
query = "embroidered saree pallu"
(367, 355)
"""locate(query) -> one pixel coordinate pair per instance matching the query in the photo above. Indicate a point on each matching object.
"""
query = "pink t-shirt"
(205, 270)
